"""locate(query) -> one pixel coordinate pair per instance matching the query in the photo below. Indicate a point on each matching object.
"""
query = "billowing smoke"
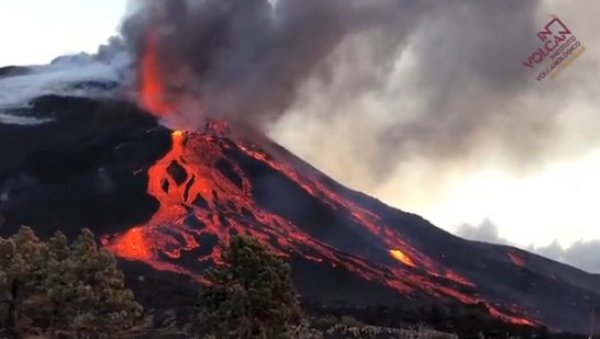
(246, 60)
(449, 99)
(456, 90)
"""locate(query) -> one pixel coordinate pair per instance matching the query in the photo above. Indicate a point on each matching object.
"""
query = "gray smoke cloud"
(447, 93)
(245, 60)
(582, 254)
(451, 95)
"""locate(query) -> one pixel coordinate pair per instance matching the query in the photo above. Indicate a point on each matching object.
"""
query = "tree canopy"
(55, 289)
(250, 295)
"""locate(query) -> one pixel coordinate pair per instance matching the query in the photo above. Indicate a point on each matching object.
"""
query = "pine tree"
(21, 270)
(52, 288)
(250, 295)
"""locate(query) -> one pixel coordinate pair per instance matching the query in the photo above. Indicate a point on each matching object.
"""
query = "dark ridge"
(11, 71)
(87, 169)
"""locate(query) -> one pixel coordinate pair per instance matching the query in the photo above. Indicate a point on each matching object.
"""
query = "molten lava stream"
(197, 200)
(226, 208)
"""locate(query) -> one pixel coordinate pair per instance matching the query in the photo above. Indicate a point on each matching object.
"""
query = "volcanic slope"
(92, 163)
(342, 244)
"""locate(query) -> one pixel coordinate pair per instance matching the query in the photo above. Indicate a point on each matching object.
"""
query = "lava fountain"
(152, 89)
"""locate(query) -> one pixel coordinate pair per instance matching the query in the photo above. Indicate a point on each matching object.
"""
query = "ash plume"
(245, 60)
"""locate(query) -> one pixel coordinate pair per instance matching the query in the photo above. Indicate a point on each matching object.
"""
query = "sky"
(37, 31)
(543, 199)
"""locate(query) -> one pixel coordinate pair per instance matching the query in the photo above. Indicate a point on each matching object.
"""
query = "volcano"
(170, 201)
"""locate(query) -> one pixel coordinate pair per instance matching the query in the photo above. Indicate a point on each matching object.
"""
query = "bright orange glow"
(201, 202)
(403, 258)
(132, 245)
(152, 87)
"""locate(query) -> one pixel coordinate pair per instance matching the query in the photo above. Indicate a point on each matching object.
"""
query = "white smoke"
(66, 75)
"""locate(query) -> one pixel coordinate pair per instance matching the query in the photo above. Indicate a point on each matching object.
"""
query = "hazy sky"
(36, 31)
(556, 198)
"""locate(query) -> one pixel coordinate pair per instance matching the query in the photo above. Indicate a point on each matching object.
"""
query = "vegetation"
(54, 290)
(250, 295)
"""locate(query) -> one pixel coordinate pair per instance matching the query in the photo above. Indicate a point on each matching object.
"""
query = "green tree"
(250, 295)
(51, 288)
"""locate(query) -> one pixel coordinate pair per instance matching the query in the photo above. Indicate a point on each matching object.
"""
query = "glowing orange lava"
(403, 258)
(152, 88)
(200, 207)
(132, 245)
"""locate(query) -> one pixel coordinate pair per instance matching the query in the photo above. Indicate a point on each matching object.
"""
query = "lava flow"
(199, 203)
(402, 257)
(205, 196)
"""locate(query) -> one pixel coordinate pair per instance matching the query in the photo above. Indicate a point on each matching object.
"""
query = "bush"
(51, 288)
(250, 295)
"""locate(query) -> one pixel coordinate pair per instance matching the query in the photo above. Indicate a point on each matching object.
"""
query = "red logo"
(559, 27)
(554, 35)
(557, 43)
